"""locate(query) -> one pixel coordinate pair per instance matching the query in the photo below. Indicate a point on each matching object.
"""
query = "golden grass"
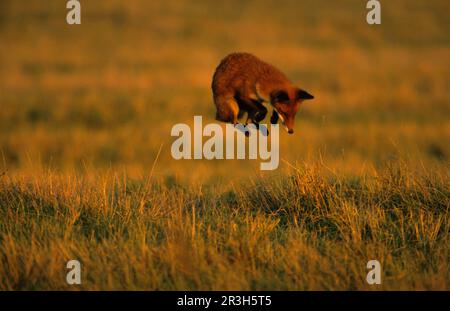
(302, 231)
(85, 110)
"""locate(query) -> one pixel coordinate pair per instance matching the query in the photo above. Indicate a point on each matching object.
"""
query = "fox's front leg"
(274, 118)
(258, 116)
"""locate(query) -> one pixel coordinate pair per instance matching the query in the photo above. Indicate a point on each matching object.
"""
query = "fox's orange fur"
(242, 83)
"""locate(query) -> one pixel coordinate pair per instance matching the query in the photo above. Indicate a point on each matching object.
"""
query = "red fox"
(242, 83)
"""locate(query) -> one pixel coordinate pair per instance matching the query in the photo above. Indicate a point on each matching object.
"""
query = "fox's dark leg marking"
(241, 113)
(261, 113)
(244, 106)
(258, 115)
(274, 118)
(256, 111)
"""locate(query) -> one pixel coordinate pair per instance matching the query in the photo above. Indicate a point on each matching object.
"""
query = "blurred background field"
(106, 93)
(85, 110)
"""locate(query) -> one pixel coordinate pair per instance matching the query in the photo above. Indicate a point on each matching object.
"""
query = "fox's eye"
(280, 97)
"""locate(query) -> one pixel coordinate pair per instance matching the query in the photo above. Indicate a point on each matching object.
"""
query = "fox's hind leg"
(227, 109)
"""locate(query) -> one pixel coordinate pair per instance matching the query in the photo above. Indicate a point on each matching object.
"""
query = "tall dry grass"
(302, 231)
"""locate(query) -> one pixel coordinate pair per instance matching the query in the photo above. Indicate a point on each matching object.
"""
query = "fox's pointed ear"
(279, 96)
(302, 94)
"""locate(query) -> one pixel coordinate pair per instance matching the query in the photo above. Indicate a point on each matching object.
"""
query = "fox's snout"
(288, 121)
(289, 125)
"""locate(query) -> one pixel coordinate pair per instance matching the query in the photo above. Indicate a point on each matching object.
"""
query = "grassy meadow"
(86, 171)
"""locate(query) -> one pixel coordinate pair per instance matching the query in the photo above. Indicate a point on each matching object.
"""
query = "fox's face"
(286, 104)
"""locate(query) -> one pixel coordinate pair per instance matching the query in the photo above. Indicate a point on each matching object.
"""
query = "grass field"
(86, 171)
